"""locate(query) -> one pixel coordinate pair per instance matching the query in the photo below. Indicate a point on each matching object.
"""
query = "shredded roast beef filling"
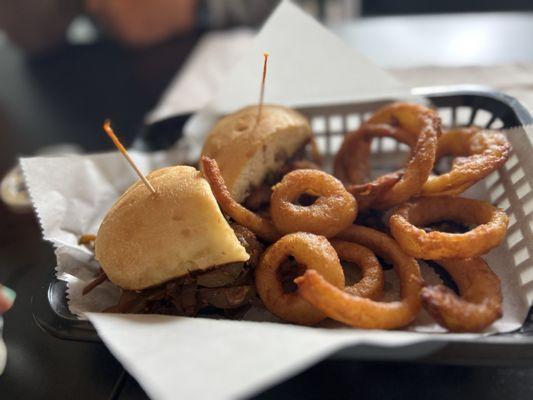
(219, 290)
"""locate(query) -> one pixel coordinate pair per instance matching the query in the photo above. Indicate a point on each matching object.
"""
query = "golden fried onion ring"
(404, 222)
(368, 193)
(480, 303)
(351, 164)
(257, 224)
(361, 312)
(419, 127)
(333, 211)
(372, 283)
(312, 251)
(477, 152)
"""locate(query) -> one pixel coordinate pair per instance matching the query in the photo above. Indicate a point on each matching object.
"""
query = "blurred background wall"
(37, 26)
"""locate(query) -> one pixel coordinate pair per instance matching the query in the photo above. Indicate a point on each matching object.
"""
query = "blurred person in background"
(38, 26)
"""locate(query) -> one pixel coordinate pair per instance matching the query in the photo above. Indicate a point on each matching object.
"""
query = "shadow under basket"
(457, 106)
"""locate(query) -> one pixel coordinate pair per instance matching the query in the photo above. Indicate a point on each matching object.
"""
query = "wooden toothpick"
(262, 93)
(114, 138)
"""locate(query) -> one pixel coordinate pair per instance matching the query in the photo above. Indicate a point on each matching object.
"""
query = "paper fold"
(308, 65)
(208, 359)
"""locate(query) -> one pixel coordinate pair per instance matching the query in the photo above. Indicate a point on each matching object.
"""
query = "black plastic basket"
(50, 309)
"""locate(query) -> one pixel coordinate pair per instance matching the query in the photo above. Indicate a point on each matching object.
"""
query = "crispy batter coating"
(333, 210)
(351, 164)
(480, 302)
(368, 193)
(477, 153)
(362, 312)
(406, 221)
(372, 283)
(311, 251)
(413, 124)
(257, 224)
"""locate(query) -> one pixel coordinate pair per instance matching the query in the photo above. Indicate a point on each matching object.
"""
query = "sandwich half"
(251, 152)
(174, 251)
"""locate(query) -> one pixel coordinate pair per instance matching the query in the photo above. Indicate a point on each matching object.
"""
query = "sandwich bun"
(246, 151)
(147, 239)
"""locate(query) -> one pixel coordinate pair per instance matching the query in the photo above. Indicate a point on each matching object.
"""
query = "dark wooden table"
(63, 98)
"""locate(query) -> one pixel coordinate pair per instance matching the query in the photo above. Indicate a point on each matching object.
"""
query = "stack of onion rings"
(312, 251)
(477, 152)
(362, 312)
(299, 277)
(406, 220)
(333, 211)
(480, 303)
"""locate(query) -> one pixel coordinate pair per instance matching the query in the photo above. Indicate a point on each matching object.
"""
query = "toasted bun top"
(147, 239)
(246, 151)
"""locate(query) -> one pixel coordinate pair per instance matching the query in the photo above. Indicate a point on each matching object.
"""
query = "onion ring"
(87, 239)
(367, 193)
(333, 211)
(262, 227)
(477, 152)
(372, 283)
(312, 251)
(455, 191)
(351, 163)
(480, 303)
(417, 126)
(492, 225)
(361, 312)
